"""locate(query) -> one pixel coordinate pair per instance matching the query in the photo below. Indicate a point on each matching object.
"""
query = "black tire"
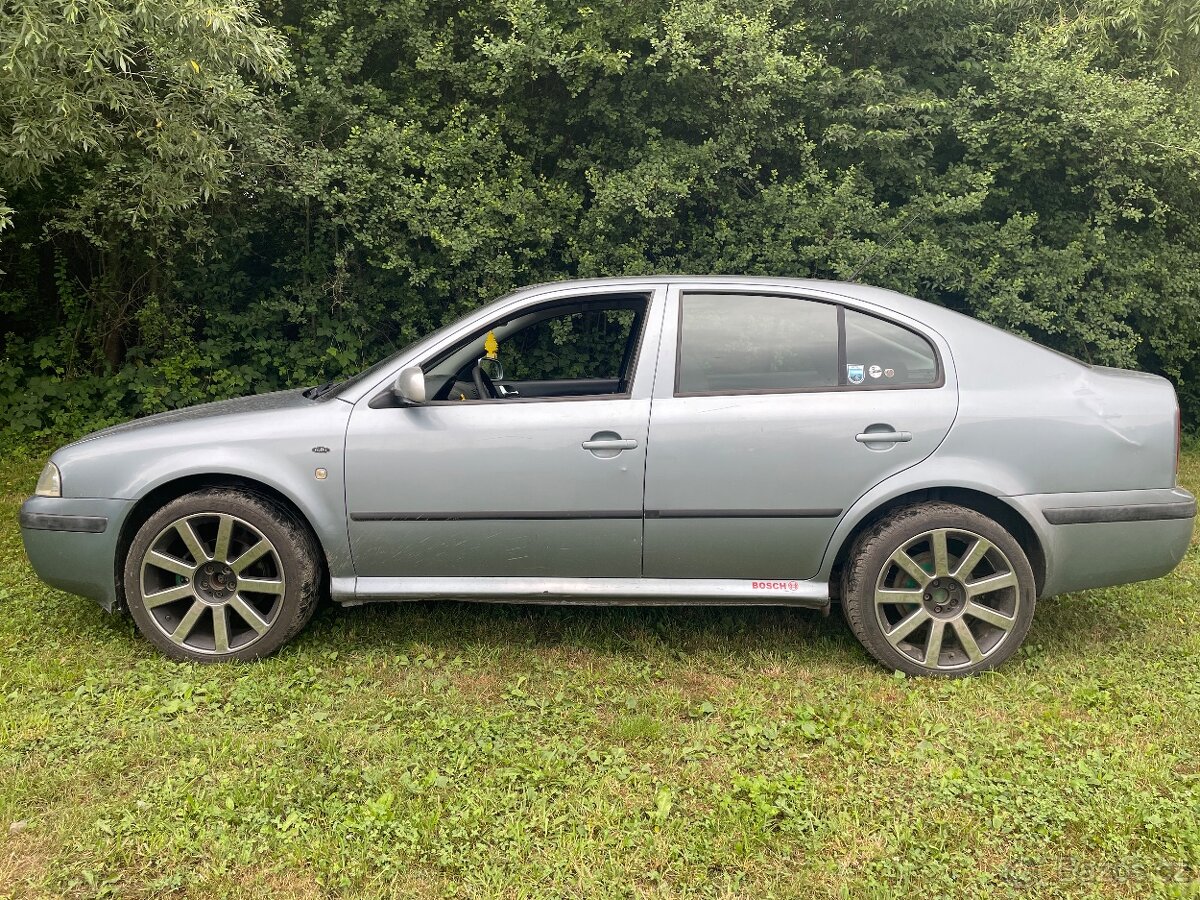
(238, 615)
(906, 623)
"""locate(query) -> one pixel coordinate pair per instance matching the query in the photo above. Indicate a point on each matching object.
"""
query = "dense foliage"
(211, 199)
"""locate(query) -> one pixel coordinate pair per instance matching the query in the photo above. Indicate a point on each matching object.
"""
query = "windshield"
(374, 371)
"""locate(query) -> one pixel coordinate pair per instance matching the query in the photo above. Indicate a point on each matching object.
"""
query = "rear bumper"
(71, 543)
(1099, 539)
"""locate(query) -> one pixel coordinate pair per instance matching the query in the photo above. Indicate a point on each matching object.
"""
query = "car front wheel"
(221, 574)
(938, 589)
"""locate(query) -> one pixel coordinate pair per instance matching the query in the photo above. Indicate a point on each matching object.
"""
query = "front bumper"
(1098, 539)
(72, 543)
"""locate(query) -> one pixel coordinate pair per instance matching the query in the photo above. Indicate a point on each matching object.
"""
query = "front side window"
(589, 343)
(577, 348)
(731, 343)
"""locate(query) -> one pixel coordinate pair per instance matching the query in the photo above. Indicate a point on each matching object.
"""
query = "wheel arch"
(1013, 521)
(175, 488)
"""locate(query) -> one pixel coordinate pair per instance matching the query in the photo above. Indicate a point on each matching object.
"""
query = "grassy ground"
(431, 750)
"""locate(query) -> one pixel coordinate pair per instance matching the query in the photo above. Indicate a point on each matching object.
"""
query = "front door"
(761, 432)
(546, 482)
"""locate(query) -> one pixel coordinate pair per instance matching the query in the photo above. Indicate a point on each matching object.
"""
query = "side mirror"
(409, 387)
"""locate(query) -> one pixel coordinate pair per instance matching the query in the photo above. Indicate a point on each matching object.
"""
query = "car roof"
(921, 310)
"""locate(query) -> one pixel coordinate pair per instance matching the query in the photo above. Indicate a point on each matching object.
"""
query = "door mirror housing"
(409, 387)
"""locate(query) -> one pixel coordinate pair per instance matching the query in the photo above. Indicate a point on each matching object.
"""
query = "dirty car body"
(697, 440)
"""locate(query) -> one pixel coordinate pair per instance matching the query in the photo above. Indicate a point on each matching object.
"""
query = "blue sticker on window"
(855, 374)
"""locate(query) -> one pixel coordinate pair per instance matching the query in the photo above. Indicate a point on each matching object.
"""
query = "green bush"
(355, 173)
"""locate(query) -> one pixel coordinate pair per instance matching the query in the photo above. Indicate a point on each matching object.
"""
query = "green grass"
(433, 750)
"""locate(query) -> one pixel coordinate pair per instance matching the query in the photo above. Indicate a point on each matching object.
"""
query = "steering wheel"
(484, 384)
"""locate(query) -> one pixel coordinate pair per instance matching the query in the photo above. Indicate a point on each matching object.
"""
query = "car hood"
(253, 404)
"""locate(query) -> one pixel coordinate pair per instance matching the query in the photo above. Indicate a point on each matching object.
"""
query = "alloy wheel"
(947, 599)
(212, 583)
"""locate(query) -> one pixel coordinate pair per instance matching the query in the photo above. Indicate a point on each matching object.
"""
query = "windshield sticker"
(875, 371)
(854, 374)
(889, 373)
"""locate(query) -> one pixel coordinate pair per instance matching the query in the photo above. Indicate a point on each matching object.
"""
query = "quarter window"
(742, 342)
(889, 354)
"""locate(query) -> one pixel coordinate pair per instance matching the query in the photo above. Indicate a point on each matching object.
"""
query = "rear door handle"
(610, 444)
(884, 437)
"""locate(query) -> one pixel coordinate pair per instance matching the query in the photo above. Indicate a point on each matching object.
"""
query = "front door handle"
(884, 437)
(607, 445)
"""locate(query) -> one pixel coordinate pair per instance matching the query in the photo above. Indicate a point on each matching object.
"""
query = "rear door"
(774, 411)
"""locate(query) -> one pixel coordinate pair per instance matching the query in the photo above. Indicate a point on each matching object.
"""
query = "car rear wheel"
(938, 589)
(221, 575)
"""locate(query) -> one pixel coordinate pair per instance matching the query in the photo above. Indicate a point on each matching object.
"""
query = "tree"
(119, 120)
(1030, 162)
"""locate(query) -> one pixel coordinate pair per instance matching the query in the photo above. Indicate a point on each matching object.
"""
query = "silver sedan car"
(663, 440)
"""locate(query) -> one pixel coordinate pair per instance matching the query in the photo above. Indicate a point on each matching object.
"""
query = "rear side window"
(889, 355)
(749, 343)
(743, 342)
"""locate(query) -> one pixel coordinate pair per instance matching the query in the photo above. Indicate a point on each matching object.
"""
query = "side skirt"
(585, 591)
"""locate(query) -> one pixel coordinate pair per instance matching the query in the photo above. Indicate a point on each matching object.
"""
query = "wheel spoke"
(933, 647)
(261, 585)
(248, 612)
(170, 564)
(963, 631)
(252, 554)
(941, 560)
(188, 622)
(991, 583)
(224, 532)
(170, 595)
(199, 554)
(909, 565)
(971, 559)
(907, 626)
(989, 615)
(220, 629)
(894, 595)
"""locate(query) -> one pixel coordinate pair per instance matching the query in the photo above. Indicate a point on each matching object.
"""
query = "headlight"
(49, 482)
